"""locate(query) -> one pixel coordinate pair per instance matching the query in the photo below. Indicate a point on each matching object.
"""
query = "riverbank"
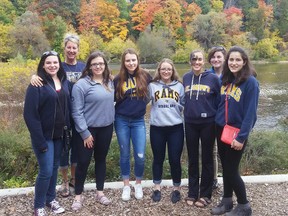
(267, 197)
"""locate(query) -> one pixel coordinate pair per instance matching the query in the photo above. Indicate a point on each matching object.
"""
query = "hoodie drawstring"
(192, 83)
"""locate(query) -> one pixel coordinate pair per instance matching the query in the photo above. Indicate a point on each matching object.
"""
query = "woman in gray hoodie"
(166, 125)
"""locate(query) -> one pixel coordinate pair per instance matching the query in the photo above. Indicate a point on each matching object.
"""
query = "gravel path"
(266, 199)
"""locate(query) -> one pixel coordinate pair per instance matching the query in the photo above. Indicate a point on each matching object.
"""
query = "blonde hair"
(71, 37)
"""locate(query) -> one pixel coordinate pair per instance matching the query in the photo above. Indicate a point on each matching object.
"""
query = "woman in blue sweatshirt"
(46, 112)
(202, 89)
(242, 90)
(131, 93)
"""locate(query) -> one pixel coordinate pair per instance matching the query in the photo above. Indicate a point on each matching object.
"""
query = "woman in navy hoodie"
(242, 89)
(46, 112)
(202, 90)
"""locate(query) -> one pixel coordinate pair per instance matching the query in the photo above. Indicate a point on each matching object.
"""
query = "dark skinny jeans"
(102, 139)
(173, 136)
(230, 160)
(206, 133)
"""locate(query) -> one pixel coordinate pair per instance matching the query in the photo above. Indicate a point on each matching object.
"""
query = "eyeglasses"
(166, 69)
(219, 48)
(100, 64)
(49, 53)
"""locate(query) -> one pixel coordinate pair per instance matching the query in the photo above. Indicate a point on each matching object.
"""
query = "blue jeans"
(45, 186)
(131, 129)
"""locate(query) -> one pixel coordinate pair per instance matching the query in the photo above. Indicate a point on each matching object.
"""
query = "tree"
(30, 41)
(182, 55)
(5, 42)
(234, 18)
(217, 5)
(209, 29)
(21, 5)
(153, 47)
(281, 18)
(7, 12)
(204, 4)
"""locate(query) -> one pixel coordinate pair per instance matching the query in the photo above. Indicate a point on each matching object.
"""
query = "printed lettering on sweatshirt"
(235, 92)
(166, 93)
(200, 87)
(130, 87)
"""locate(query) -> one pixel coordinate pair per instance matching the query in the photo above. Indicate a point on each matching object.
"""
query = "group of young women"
(97, 101)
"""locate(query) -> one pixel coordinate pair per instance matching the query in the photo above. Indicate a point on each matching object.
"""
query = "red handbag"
(229, 133)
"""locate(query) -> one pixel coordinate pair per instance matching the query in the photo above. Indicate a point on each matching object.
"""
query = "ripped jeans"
(131, 129)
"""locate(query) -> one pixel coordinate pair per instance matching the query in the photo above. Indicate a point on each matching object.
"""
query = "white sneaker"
(40, 212)
(55, 207)
(138, 191)
(126, 193)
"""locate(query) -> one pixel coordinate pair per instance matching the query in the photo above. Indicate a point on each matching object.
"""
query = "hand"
(89, 142)
(36, 81)
(236, 145)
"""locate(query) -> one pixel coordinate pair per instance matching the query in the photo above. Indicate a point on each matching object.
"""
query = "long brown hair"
(88, 72)
(140, 74)
(243, 74)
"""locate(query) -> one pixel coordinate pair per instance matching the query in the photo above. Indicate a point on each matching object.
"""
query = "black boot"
(225, 205)
(241, 210)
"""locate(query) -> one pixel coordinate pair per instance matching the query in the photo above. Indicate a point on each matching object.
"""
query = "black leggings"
(230, 160)
(102, 139)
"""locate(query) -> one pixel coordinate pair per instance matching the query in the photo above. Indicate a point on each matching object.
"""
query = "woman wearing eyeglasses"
(216, 57)
(93, 113)
(46, 112)
(202, 89)
(166, 126)
(73, 69)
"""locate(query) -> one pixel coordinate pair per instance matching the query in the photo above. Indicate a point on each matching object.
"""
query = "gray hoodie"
(167, 103)
(92, 105)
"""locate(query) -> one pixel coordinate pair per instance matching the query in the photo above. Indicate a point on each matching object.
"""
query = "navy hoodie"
(242, 107)
(201, 101)
(130, 105)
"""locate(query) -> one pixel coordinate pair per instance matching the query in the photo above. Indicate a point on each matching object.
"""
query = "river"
(273, 102)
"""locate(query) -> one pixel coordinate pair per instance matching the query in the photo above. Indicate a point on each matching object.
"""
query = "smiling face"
(71, 50)
(97, 66)
(131, 62)
(51, 65)
(166, 71)
(217, 60)
(197, 62)
(235, 62)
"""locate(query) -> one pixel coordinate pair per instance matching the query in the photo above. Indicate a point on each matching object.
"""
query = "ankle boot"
(241, 210)
(224, 206)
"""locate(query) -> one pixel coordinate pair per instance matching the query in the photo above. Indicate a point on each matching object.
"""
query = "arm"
(36, 81)
(32, 118)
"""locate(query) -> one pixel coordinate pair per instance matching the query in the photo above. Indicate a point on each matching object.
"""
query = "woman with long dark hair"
(240, 90)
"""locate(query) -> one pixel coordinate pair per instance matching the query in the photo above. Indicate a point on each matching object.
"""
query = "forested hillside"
(157, 28)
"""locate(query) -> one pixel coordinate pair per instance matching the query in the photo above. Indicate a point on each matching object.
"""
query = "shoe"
(203, 202)
(77, 204)
(215, 184)
(156, 196)
(102, 200)
(138, 191)
(65, 190)
(226, 205)
(40, 212)
(175, 196)
(126, 193)
(55, 207)
(241, 210)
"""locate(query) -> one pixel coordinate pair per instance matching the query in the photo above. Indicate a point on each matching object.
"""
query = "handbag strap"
(226, 104)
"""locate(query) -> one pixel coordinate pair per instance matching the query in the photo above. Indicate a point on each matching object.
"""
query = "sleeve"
(250, 104)
(32, 117)
(182, 95)
(78, 104)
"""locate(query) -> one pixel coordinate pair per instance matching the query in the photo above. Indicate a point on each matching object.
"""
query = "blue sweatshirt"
(242, 107)
(130, 105)
(40, 111)
(201, 101)
(167, 103)
(92, 105)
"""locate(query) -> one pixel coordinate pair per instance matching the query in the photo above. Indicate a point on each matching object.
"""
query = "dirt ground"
(266, 199)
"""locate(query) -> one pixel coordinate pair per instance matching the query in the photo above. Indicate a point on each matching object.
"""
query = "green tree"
(7, 12)
(209, 29)
(265, 49)
(281, 18)
(182, 55)
(153, 47)
(30, 41)
(21, 5)
(5, 42)
(204, 4)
